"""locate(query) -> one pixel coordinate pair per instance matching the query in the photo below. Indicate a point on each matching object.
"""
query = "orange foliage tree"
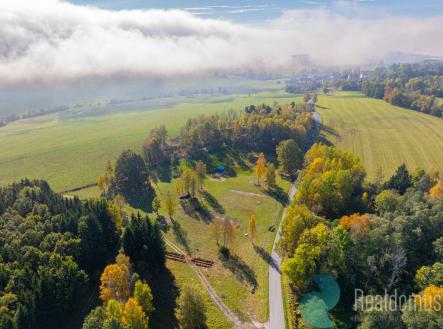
(356, 223)
(437, 191)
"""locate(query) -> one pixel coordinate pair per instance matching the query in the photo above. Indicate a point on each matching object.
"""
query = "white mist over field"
(53, 41)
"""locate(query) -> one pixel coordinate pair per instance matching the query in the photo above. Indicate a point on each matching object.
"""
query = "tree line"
(259, 128)
(412, 86)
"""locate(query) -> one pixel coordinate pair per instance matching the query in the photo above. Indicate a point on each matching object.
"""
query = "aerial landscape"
(218, 164)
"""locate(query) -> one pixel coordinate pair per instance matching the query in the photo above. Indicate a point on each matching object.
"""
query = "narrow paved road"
(276, 310)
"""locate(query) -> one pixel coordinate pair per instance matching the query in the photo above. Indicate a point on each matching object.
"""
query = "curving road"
(276, 310)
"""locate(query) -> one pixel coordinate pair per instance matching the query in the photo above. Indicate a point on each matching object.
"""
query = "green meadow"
(382, 134)
(243, 284)
(70, 149)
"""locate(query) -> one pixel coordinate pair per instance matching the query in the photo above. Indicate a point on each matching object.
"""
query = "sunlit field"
(382, 134)
(70, 149)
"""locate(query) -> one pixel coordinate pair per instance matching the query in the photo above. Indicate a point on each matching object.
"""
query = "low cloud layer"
(54, 40)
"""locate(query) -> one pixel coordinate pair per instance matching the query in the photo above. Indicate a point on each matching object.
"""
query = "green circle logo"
(314, 306)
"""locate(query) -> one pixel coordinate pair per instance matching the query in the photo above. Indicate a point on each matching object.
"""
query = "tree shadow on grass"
(195, 209)
(181, 235)
(278, 194)
(213, 202)
(165, 293)
(328, 130)
(266, 256)
(240, 269)
(163, 173)
(163, 223)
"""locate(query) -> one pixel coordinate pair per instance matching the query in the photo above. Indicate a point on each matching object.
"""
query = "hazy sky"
(52, 40)
(262, 9)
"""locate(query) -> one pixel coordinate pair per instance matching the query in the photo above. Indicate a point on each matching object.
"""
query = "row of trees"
(259, 128)
(392, 243)
(301, 87)
(415, 87)
(253, 131)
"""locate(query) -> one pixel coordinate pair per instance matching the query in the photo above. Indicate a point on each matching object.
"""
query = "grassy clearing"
(382, 134)
(70, 149)
(250, 265)
(191, 233)
(185, 276)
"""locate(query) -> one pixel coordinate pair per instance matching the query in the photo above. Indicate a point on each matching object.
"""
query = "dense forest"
(52, 251)
(381, 237)
(50, 247)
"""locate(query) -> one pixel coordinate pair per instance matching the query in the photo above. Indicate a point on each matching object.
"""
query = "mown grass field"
(382, 134)
(70, 149)
(185, 276)
(234, 283)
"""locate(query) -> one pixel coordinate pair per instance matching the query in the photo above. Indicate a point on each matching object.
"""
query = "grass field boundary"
(76, 189)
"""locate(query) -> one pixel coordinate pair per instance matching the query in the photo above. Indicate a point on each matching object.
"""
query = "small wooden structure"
(182, 259)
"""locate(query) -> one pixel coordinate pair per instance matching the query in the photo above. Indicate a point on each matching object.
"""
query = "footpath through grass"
(382, 134)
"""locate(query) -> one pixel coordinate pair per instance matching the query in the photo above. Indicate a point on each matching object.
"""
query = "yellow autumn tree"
(228, 233)
(437, 191)
(115, 213)
(216, 230)
(133, 316)
(143, 296)
(260, 167)
(114, 310)
(170, 204)
(430, 298)
(252, 228)
(101, 183)
(116, 281)
(200, 169)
